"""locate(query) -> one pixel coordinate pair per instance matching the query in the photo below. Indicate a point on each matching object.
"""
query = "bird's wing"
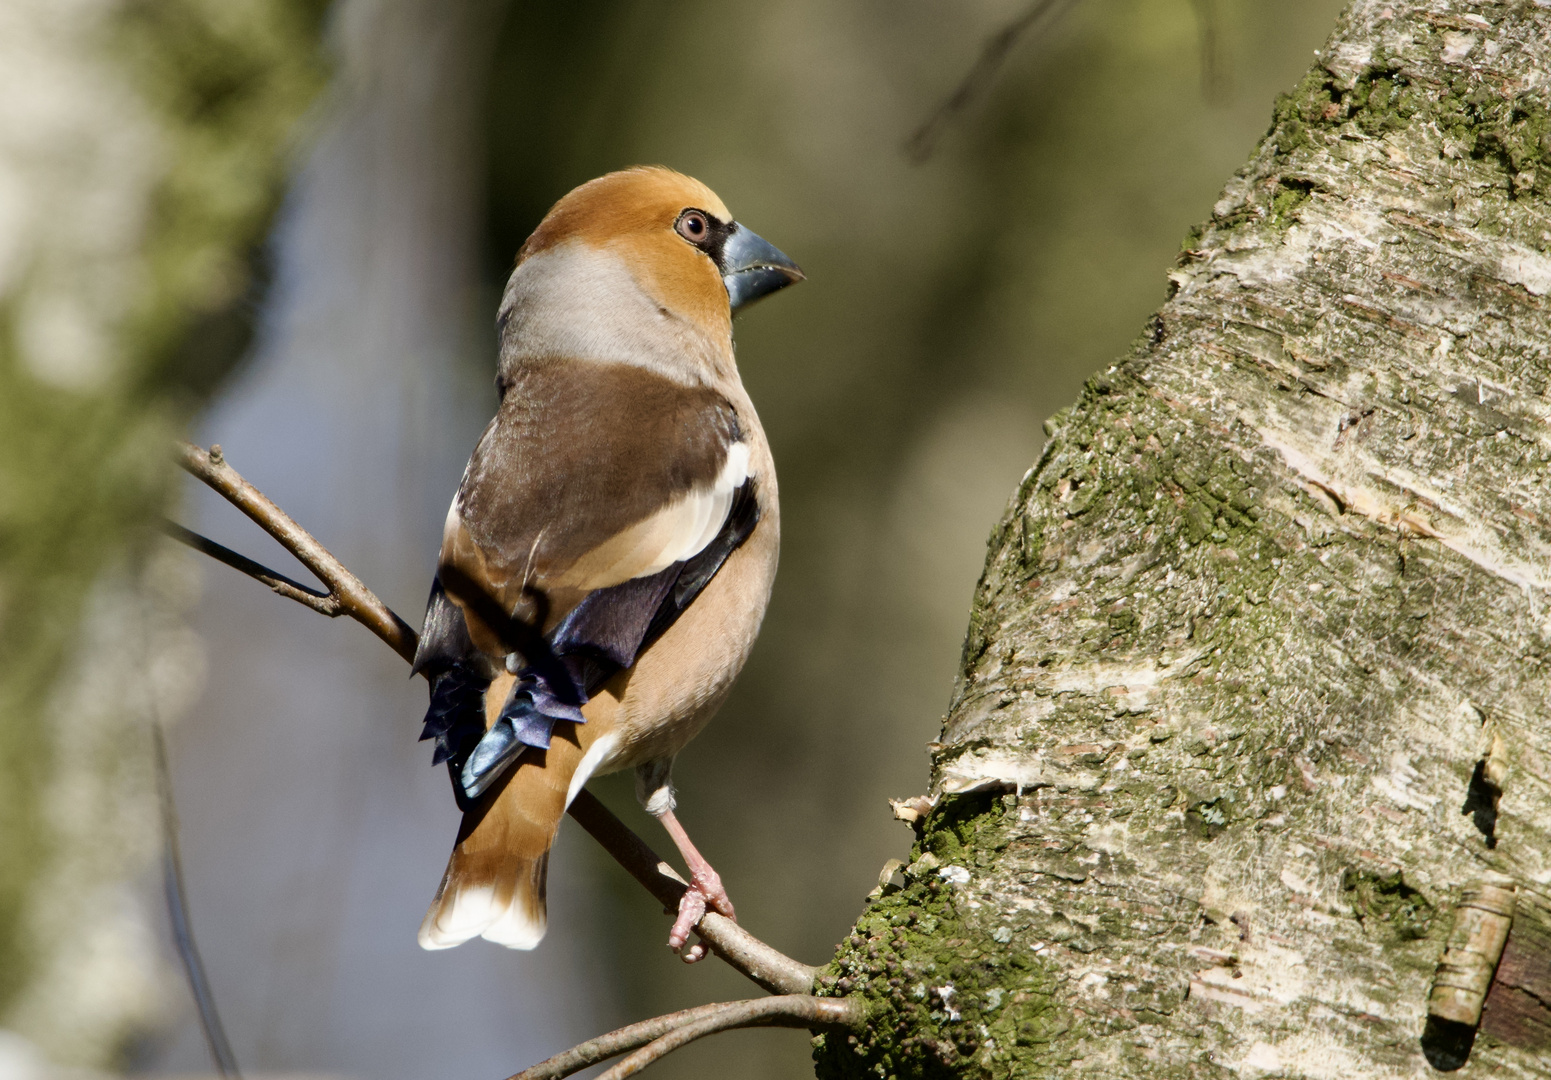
(590, 475)
(599, 502)
(617, 623)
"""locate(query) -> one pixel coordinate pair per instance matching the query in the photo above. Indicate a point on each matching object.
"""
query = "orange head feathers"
(676, 238)
(636, 207)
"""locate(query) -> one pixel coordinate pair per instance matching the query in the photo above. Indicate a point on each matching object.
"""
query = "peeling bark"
(1255, 684)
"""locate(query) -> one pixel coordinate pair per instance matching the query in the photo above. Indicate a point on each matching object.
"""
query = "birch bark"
(1254, 691)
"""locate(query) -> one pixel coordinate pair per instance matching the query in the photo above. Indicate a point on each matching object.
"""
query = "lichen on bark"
(1267, 610)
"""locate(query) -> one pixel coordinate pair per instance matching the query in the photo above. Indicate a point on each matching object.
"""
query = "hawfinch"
(607, 560)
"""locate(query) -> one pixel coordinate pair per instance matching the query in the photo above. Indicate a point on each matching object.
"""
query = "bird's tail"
(494, 884)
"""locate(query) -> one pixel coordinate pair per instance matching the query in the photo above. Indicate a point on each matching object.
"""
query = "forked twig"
(766, 966)
(664, 1034)
(346, 594)
(321, 602)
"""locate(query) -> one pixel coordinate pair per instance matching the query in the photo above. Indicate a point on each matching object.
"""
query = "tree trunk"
(1251, 721)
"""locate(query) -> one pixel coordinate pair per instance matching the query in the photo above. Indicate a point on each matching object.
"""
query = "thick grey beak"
(752, 267)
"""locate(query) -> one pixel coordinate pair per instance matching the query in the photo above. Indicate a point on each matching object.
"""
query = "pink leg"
(705, 890)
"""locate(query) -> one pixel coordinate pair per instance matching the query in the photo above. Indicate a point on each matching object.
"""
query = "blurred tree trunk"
(1255, 684)
(143, 146)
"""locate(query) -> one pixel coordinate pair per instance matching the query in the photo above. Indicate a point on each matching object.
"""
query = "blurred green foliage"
(83, 467)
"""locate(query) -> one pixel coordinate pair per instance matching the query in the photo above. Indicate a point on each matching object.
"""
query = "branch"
(321, 602)
(1214, 72)
(346, 594)
(923, 143)
(771, 969)
(177, 912)
(664, 1034)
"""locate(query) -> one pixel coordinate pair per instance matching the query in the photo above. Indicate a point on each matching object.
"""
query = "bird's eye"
(693, 226)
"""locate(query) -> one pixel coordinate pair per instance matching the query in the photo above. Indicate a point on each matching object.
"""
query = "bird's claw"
(691, 910)
(706, 894)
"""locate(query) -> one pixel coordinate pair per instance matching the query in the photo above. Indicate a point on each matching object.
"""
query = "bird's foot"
(705, 894)
(692, 909)
(708, 883)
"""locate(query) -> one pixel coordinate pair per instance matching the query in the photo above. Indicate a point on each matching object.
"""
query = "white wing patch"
(597, 754)
(680, 530)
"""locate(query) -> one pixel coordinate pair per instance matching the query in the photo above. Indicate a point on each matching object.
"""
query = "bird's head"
(674, 236)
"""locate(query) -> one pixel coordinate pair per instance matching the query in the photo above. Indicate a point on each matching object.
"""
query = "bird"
(607, 560)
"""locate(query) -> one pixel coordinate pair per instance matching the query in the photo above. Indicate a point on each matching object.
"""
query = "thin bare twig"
(664, 1034)
(1216, 85)
(620, 1041)
(768, 967)
(321, 602)
(794, 1010)
(346, 591)
(177, 912)
(923, 143)
(771, 969)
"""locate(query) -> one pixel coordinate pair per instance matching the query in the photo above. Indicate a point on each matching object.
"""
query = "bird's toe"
(692, 907)
(709, 886)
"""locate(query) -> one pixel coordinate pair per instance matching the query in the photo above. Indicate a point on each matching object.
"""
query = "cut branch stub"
(1481, 923)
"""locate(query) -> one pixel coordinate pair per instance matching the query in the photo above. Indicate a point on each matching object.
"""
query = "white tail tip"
(461, 913)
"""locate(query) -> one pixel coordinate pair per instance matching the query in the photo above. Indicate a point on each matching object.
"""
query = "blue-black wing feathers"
(601, 636)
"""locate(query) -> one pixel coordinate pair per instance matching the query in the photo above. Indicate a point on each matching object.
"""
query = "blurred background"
(283, 225)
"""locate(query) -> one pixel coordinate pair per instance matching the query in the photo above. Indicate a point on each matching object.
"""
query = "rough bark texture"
(1256, 678)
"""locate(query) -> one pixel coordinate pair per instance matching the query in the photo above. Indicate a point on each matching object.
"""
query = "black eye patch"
(715, 239)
